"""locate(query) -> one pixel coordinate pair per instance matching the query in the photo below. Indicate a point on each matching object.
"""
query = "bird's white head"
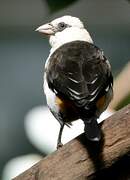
(63, 30)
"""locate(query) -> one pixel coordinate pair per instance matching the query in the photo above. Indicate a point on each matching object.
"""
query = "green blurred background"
(23, 53)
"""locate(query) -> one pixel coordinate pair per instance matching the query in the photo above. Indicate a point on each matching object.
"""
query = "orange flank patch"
(67, 108)
(101, 102)
(59, 102)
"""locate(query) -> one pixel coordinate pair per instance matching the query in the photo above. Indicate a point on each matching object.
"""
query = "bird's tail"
(92, 130)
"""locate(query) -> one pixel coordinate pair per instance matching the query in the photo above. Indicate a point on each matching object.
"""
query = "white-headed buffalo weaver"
(77, 79)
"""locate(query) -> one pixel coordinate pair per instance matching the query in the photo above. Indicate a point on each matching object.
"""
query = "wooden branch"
(80, 159)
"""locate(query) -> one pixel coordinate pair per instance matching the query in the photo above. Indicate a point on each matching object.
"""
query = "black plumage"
(79, 74)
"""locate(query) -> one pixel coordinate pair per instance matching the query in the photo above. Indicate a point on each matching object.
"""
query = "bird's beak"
(46, 29)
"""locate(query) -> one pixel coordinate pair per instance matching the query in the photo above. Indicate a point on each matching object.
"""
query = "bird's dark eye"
(62, 26)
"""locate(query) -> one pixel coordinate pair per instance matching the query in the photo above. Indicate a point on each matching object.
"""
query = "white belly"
(50, 97)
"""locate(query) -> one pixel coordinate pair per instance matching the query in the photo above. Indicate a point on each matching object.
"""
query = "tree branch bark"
(81, 159)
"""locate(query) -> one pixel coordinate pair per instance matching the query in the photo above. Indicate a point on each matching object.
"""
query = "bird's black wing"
(79, 71)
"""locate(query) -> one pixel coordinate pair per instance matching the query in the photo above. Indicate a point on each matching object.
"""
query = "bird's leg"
(59, 144)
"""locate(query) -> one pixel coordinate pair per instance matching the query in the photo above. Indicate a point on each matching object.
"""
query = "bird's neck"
(69, 35)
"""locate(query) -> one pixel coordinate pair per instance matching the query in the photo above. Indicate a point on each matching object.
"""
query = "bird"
(78, 80)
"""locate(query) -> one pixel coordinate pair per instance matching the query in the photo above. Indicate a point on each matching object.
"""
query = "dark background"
(23, 53)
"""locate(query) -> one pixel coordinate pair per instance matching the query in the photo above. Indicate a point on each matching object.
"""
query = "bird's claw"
(59, 145)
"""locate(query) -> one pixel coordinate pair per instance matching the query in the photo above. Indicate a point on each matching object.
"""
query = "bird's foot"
(59, 145)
